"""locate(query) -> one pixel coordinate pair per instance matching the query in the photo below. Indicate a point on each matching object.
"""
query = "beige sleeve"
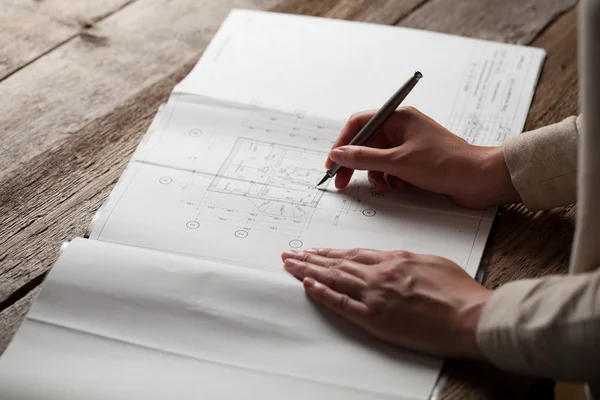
(545, 327)
(543, 164)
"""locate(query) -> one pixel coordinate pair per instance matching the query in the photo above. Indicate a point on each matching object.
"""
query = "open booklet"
(178, 291)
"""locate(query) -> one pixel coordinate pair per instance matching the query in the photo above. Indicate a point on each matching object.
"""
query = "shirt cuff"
(543, 164)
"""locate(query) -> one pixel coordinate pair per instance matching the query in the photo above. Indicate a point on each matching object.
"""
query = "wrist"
(469, 317)
(495, 184)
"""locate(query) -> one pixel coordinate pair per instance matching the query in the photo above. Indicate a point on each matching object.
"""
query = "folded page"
(111, 319)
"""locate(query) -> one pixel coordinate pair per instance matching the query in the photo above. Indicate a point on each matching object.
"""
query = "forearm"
(545, 327)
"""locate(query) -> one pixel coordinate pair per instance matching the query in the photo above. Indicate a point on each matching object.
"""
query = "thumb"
(363, 158)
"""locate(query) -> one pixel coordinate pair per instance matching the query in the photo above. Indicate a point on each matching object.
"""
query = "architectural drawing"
(268, 172)
(484, 109)
(274, 185)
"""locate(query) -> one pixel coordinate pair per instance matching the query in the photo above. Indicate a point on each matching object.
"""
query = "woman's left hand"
(424, 303)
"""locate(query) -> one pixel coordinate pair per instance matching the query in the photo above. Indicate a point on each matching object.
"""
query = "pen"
(378, 119)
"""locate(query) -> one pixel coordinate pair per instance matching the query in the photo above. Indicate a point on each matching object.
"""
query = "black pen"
(378, 119)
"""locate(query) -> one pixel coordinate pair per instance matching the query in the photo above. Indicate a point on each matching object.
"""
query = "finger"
(334, 278)
(396, 182)
(342, 178)
(366, 158)
(346, 264)
(354, 124)
(376, 141)
(377, 181)
(351, 129)
(363, 256)
(351, 309)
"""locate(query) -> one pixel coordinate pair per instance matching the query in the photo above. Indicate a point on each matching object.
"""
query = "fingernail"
(311, 250)
(309, 282)
(290, 262)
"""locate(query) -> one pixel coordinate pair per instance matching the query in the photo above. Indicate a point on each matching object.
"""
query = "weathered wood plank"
(510, 21)
(386, 12)
(30, 29)
(557, 94)
(68, 10)
(67, 184)
(376, 11)
(13, 316)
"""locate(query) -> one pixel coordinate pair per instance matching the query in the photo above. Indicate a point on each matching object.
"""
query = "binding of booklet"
(178, 289)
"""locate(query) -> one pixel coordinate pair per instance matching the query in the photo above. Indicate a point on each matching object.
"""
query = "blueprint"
(237, 183)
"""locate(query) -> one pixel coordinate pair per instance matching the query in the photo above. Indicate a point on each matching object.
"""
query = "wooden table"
(80, 82)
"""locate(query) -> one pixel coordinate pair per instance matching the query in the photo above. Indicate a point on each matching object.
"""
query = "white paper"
(120, 322)
(480, 90)
(237, 184)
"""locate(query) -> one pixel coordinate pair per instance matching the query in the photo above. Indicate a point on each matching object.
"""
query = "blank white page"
(480, 90)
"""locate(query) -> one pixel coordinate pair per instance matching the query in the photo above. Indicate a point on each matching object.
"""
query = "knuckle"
(332, 277)
(378, 308)
(403, 255)
(353, 254)
(301, 269)
(408, 285)
(344, 302)
(304, 257)
(391, 273)
(319, 292)
(395, 155)
(323, 252)
(334, 263)
(408, 111)
(357, 155)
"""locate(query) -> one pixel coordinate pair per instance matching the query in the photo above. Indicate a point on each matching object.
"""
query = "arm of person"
(545, 327)
(542, 327)
(537, 168)
(543, 164)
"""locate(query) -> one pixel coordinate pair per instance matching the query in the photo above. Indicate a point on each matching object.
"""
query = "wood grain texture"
(13, 316)
(387, 12)
(510, 21)
(557, 94)
(68, 184)
(30, 29)
(71, 119)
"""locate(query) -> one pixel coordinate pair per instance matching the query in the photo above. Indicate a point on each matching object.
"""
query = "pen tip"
(323, 180)
(418, 75)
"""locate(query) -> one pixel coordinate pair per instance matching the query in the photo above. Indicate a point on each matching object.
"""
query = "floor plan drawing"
(267, 172)
(276, 180)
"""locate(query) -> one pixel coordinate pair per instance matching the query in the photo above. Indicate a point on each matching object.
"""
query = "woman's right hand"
(411, 148)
